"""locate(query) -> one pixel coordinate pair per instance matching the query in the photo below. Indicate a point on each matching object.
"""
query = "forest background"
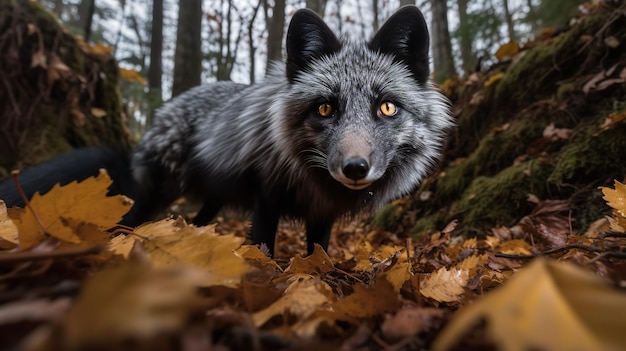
(175, 45)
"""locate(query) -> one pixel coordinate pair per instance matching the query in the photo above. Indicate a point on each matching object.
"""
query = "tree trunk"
(251, 46)
(319, 6)
(465, 38)
(155, 70)
(442, 45)
(188, 55)
(88, 19)
(275, 31)
(375, 14)
(406, 2)
(509, 20)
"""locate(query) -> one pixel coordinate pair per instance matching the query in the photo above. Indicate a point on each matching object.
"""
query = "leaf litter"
(155, 284)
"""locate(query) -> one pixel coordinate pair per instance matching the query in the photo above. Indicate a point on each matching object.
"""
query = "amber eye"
(325, 109)
(388, 109)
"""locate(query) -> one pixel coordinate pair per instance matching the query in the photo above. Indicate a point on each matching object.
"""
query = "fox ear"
(308, 38)
(405, 36)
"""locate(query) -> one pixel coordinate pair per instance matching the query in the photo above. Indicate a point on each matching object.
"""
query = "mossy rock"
(61, 95)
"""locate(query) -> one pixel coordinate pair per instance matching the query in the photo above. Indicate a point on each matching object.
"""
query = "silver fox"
(342, 126)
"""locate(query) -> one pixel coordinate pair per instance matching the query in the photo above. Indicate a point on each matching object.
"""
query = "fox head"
(364, 113)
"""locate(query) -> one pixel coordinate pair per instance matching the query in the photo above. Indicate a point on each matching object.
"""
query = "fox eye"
(388, 108)
(325, 109)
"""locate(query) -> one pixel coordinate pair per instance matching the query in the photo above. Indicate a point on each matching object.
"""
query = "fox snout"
(356, 168)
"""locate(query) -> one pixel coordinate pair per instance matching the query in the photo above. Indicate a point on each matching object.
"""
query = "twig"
(11, 257)
(549, 252)
(16, 175)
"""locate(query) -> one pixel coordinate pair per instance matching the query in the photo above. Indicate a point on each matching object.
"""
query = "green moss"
(429, 223)
(501, 199)
(590, 157)
(387, 218)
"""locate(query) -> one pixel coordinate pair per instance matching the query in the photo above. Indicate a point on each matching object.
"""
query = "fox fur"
(342, 126)
(265, 147)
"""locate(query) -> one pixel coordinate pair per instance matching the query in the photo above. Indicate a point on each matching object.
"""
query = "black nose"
(355, 168)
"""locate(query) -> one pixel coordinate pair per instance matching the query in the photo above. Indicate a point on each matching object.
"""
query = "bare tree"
(251, 46)
(275, 30)
(375, 14)
(508, 19)
(441, 43)
(86, 17)
(468, 57)
(188, 54)
(406, 2)
(155, 70)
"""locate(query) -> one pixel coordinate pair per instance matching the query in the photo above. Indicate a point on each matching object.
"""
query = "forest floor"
(517, 242)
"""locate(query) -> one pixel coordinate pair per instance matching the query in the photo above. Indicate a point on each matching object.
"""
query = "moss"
(590, 157)
(429, 223)
(501, 199)
(387, 218)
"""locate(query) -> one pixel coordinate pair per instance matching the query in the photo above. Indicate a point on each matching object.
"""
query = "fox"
(339, 127)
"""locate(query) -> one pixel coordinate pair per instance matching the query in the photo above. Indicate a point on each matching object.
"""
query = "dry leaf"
(202, 248)
(130, 302)
(63, 207)
(616, 198)
(494, 78)
(304, 295)
(507, 51)
(410, 321)
(98, 112)
(369, 301)
(547, 306)
(318, 262)
(8, 230)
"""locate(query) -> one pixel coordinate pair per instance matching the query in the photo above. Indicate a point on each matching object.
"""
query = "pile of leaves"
(57, 91)
(68, 283)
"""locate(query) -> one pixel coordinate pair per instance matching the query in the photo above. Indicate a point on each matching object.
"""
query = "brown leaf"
(317, 263)
(547, 306)
(507, 51)
(369, 301)
(129, 302)
(411, 321)
(8, 230)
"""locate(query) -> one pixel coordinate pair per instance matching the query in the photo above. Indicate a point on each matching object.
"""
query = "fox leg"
(264, 224)
(318, 232)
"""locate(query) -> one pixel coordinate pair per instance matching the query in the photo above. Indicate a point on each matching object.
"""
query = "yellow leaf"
(494, 78)
(132, 76)
(398, 274)
(304, 295)
(507, 51)
(445, 285)
(616, 198)
(63, 207)
(8, 230)
(548, 306)
(202, 248)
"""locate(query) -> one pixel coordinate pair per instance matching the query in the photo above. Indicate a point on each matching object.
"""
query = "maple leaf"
(547, 305)
(616, 198)
(507, 51)
(199, 247)
(63, 207)
(317, 262)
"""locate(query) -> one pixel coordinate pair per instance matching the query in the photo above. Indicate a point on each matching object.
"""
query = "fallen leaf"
(368, 301)
(202, 248)
(616, 198)
(549, 306)
(494, 78)
(8, 230)
(65, 206)
(304, 295)
(130, 302)
(610, 121)
(318, 262)
(410, 321)
(507, 51)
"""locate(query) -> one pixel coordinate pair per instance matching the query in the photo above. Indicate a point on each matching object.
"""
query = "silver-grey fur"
(263, 147)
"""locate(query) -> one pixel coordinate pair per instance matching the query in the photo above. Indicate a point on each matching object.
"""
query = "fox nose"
(355, 168)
